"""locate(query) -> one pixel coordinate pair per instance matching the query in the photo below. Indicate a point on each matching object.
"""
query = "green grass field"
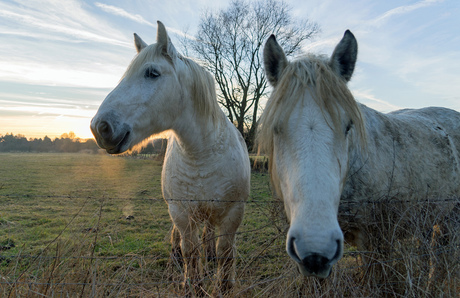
(96, 225)
(75, 205)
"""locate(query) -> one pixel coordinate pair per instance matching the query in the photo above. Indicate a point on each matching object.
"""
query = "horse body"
(326, 149)
(411, 156)
(207, 186)
(409, 153)
(206, 171)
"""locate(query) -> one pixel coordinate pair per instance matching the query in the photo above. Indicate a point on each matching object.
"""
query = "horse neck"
(376, 163)
(196, 138)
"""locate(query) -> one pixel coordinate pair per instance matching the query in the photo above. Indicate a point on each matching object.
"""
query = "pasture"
(97, 225)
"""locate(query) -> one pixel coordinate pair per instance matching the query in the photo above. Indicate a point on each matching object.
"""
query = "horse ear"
(274, 60)
(165, 42)
(139, 43)
(343, 59)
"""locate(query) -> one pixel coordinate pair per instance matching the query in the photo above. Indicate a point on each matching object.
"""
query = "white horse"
(325, 147)
(206, 171)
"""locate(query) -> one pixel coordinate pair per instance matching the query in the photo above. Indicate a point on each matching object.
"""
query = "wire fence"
(251, 200)
(439, 251)
(259, 268)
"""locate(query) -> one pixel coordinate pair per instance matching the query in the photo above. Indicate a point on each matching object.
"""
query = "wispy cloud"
(60, 43)
(49, 110)
(320, 45)
(123, 13)
(55, 18)
(400, 10)
(56, 75)
(117, 11)
(405, 52)
(366, 97)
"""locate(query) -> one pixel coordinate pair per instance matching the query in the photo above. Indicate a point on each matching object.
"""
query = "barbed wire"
(159, 258)
(268, 256)
(252, 199)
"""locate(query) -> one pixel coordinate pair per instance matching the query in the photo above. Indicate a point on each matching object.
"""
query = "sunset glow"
(60, 59)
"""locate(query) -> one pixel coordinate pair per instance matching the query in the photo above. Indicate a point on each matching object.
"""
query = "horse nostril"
(315, 262)
(291, 249)
(104, 129)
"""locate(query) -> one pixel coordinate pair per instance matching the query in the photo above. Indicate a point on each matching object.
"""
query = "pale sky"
(60, 58)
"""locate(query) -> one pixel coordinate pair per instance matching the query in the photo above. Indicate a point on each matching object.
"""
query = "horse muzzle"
(314, 263)
(110, 134)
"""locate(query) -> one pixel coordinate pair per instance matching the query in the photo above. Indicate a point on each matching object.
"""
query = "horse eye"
(349, 126)
(151, 73)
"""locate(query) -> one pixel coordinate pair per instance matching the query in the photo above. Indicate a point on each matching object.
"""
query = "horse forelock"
(314, 75)
(148, 54)
(199, 81)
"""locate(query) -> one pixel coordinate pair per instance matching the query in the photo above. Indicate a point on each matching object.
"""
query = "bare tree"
(230, 42)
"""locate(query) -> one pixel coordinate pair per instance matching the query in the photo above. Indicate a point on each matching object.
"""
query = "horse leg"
(176, 253)
(209, 242)
(226, 248)
(176, 261)
(191, 252)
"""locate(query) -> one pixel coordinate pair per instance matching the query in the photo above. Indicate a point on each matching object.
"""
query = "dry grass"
(413, 248)
(95, 251)
(397, 267)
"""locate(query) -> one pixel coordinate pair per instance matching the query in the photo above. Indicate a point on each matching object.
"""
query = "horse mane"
(203, 90)
(310, 73)
(200, 81)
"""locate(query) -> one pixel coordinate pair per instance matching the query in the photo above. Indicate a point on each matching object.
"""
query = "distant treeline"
(66, 143)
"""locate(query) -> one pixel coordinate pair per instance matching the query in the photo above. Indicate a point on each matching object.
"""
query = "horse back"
(444, 118)
(410, 152)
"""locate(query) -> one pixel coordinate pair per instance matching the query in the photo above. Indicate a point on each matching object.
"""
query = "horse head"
(146, 101)
(307, 128)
